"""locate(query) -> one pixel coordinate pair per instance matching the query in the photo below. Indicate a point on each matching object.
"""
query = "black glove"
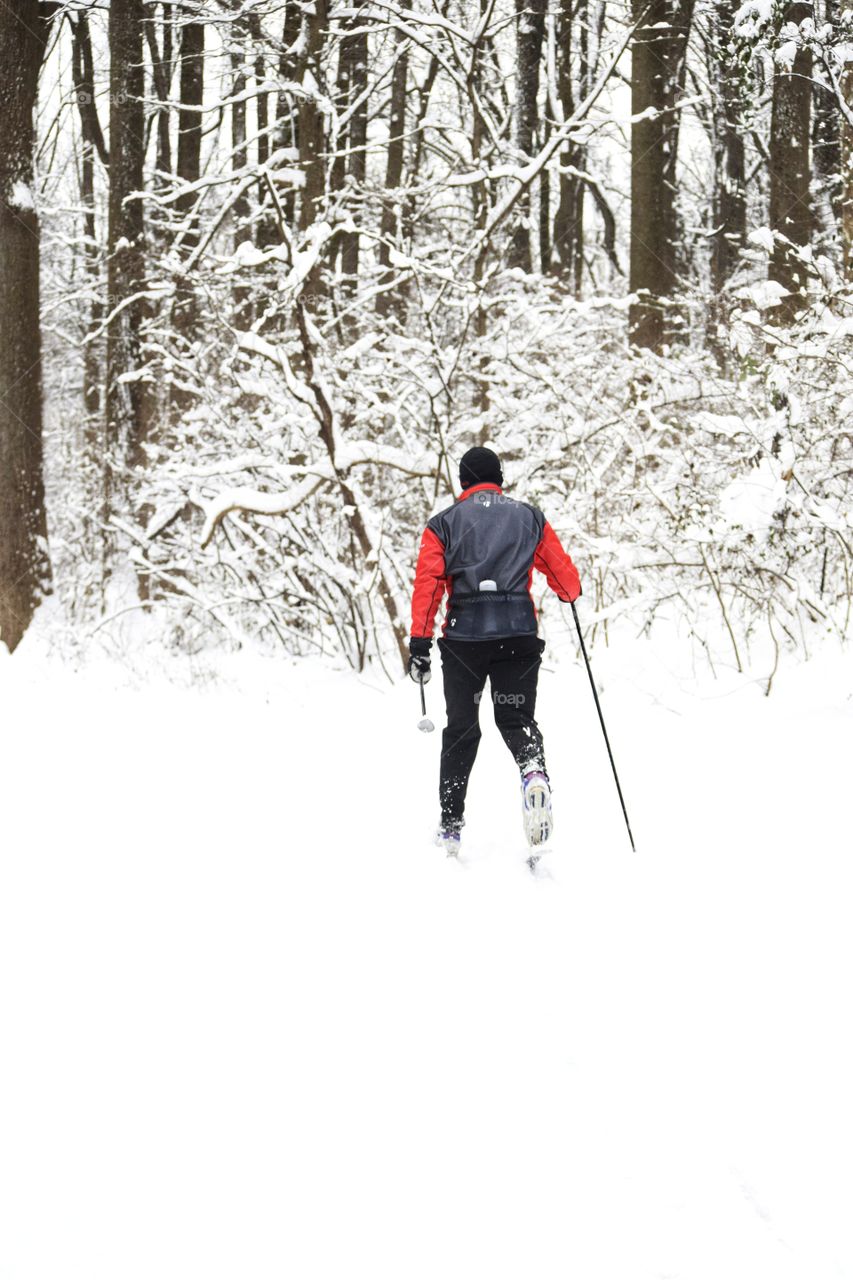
(418, 665)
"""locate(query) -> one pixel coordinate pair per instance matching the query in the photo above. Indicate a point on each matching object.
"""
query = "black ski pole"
(425, 725)
(603, 728)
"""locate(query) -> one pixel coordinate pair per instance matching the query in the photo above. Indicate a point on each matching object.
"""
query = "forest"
(268, 267)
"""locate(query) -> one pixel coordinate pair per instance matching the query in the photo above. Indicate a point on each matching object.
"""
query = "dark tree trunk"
(790, 172)
(243, 309)
(24, 566)
(826, 153)
(847, 178)
(545, 209)
(729, 152)
(189, 163)
(128, 400)
(91, 138)
(310, 117)
(287, 115)
(659, 51)
(268, 231)
(729, 199)
(530, 33)
(93, 430)
(568, 220)
(392, 196)
(311, 132)
(357, 54)
(162, 67)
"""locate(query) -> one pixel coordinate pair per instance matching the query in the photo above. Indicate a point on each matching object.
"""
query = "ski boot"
(448, 839)
(536, 804)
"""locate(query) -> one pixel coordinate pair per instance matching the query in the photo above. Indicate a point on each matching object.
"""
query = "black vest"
(489, 537)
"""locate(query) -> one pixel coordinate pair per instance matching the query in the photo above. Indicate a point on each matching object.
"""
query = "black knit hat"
(480, 466)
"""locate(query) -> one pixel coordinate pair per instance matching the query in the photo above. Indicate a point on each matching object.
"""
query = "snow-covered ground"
(253, 1025)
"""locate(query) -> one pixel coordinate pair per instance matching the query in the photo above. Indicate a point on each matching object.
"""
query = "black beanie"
(480, 466)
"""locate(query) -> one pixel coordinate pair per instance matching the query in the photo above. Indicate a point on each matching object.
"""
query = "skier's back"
(482, 551)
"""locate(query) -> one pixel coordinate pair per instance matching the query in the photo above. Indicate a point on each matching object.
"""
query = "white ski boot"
(536, 805)
(449, 841)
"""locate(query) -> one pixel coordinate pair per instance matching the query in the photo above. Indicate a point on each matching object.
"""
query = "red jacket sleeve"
(557, 566)
(430, 584)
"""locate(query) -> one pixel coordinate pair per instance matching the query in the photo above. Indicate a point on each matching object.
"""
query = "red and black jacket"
(487, 536)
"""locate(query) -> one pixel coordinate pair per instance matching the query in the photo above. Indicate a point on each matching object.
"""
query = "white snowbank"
(254, 1025)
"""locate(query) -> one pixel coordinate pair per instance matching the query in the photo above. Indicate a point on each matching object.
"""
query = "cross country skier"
(482, 551)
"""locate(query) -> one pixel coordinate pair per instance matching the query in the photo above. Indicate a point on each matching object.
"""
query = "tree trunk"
(530, 34)
(729, 198)
(568, 220)
(24, 565)
(82, 65)
(357, 56)
(162, 67)
(128, 400)
(392, 196)
(847, 177)
(314, 21)
(826, 154)
(243, 309)
(790, 173)
(287, 115)
(659, 50)
(545, 209)
(188, 172)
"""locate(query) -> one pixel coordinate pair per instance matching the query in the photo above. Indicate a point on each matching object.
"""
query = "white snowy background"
(255, 1025)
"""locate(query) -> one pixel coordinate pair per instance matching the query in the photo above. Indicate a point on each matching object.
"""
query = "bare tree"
(392, 196)
(128, 401)
(191, 59)
(826, 149)
(790, 172)
(24, 566)
(659, 52)
(530, 34)
(727, 78)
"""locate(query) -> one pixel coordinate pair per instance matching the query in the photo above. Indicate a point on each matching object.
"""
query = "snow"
(764, 293)
(22, 197)
(752, 499)
(763, 238)
(255, 1025)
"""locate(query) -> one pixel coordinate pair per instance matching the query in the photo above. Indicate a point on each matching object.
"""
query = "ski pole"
(603, 727)
(425, 725)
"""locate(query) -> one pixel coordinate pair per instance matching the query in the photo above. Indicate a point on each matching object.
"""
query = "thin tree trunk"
(790, 170)
(311, 133)
(569, 220)
(729, 199)
(243, 309)
(530, 17)
(24, 565)
(310, 117)
(392, 197)
(287, 115)
(356, 145)
(545, 209)
(659, 50)
(83, 76)
(128, 399)
(162, 67)
(826, 153)
(93, 426)
(189, 168)
(847, 176)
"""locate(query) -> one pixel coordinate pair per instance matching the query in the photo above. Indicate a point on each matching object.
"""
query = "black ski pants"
(512, 668)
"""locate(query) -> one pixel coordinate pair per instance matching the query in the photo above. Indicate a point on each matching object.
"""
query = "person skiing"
(482, 551)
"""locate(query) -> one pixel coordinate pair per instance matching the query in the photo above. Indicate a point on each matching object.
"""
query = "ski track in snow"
(255, 1025)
